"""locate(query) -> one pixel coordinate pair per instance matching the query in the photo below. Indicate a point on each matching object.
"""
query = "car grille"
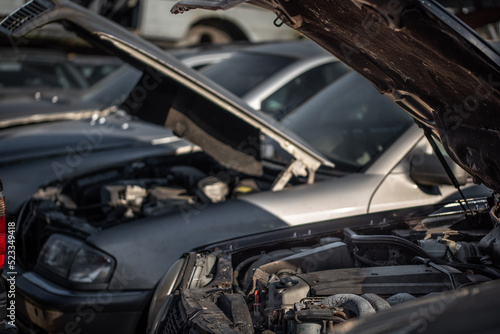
(175, 320)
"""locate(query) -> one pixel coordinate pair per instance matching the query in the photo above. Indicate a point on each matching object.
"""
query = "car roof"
(300, 49)
(303, 54)
(186, 52)
(205, 55)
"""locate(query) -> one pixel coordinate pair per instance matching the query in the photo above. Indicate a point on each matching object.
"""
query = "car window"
(246, 70)
(301, 88)
(349, 122)
(95, 72)
(33, 73)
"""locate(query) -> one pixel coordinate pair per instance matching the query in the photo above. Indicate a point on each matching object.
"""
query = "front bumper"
(44, 307)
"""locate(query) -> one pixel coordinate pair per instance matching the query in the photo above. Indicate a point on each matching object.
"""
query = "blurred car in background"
(278, 77)
(35, 81)
(273, 78)
(200, 57)
(246, 23)
(37, 85)
(152, 20)
(31, 69)
(41, 85)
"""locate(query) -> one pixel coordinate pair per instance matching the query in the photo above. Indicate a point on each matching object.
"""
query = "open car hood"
(172, 94)
(419, 55)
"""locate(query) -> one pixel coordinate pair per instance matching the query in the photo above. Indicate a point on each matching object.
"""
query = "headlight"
(74, 260)
(159, 303)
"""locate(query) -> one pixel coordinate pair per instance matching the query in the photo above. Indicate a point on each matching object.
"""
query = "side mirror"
(426, 170)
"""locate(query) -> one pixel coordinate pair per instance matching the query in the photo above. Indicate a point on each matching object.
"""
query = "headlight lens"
(162, 292)
(90, 267)
(74, 260)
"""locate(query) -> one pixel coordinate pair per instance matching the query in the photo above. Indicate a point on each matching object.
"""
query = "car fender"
(145, 249)
(338, 197)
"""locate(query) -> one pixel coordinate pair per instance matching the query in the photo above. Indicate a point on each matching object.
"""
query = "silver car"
(278, 77)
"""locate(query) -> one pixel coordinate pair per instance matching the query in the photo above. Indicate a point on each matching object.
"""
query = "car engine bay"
(320, 282)
(147, 188)
(84, 205)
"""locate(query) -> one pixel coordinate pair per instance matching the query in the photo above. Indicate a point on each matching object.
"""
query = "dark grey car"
(36, 82)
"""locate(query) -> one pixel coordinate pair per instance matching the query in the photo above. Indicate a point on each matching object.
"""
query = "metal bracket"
(293, 21)
(294, 167)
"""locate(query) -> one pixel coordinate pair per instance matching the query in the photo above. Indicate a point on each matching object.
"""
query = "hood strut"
(439, 154)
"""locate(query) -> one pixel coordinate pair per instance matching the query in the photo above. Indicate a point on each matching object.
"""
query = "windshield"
(245, 71)
(349, 122)
(34, 73)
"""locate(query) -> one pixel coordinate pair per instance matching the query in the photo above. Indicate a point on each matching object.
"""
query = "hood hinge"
(294, 167)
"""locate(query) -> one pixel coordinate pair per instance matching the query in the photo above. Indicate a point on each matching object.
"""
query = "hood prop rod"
(439, 154)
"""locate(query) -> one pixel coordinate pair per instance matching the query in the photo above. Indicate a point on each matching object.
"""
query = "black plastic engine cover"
(412, 279)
